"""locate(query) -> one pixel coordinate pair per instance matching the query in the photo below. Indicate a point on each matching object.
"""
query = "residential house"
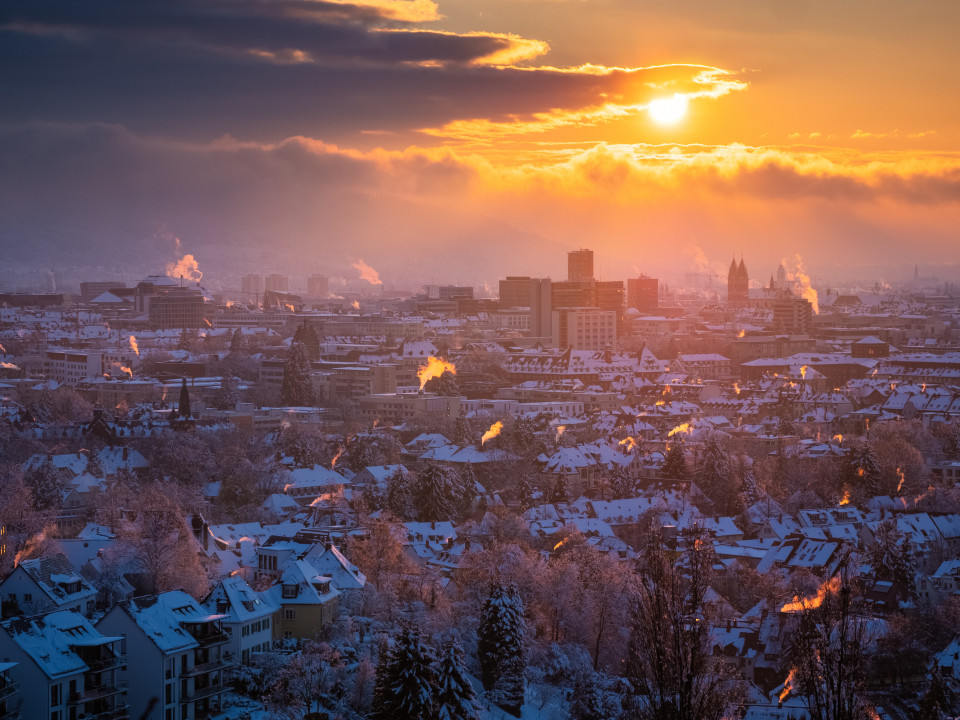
(248, 617)
(65, 667)
(175, 648)
(307, 601)
(44, 585)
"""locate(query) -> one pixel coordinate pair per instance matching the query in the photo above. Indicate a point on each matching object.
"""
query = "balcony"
(204, 668)
(97, 692)
(121, 712)
(106, 663)
(212, 639)
(206, 692)
(8, 689)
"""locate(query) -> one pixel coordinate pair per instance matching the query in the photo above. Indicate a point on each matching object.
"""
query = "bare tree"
(669, 663)
(828, 651)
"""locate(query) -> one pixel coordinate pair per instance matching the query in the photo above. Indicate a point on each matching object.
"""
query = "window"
(289, 614)
(289, 591)
(54, 694)
(28, 597)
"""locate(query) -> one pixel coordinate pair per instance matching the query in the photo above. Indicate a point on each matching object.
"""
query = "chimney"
(126, 453)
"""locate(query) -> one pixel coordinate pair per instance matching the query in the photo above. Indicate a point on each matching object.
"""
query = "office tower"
(318, 286)
(643, 293)
(277, 283)
(580, 265)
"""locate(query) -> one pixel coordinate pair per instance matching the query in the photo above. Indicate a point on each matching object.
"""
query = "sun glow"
(668, 111)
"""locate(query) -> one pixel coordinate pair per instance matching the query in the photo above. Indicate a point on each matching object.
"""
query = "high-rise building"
(792, 314)
(318, 286)
(178, 307)
(541, 309)
(515, 292)
(738, 284)
(277, 283)
(584, 328)
(252, 284)
(580, 265)
(643, 293)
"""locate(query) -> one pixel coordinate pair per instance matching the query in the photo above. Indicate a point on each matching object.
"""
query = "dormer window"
(289, 591)
(223, 607)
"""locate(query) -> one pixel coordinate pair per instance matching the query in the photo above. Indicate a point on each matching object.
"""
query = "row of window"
(255, 627)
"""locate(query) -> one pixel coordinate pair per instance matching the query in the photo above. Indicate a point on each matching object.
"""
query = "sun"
(668, 111)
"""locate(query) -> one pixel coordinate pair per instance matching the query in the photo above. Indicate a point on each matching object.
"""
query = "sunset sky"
(490, 136)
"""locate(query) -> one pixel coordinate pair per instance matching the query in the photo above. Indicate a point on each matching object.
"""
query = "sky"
(466, 140)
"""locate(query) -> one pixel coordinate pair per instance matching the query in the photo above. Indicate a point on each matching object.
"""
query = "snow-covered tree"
(891, 555)
(675, 463)
(312, 681)
(238, 343)
(94, 466)
(859, 471)
(296, 387)
(46, 485)
(828, 649)
(560, 493)
(669, 663)
(438, 493)
(406, 682)
(501, 647)
(445, 384)
(592, 700)
(454, 697)
(622, 485)
(715, 476)
(227, 395)
(400, 494)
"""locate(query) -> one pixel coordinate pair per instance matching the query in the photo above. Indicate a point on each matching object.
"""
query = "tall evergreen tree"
(437, 493)
(94, 466)
(454, 694)
(675, 463)
(715, 476)
(296, 388)
(860, 471)
(404, 688)
(400, 494)
(560, 494)
(621, 484)
(47, 486)
(238, 343)
(227, 396)
(501, 647)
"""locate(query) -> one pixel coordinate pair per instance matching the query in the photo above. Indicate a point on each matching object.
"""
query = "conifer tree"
(437, 493)
(501, 647)
(675, 464)
(404, 688)
(47, 486)
(296, 388)
(400, 494)
(560, 493)
(238, 343)
(94, 466)
(454, 693)
(621, 484)
(715, 476)
(226, 397)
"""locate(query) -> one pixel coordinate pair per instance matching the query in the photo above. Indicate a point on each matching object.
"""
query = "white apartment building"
(175, 655)
(65, 668)
(248, 617)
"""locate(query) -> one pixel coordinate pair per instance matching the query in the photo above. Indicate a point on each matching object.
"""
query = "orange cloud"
(620, 92)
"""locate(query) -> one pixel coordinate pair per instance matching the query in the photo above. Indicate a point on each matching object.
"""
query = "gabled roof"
(51, 640)
(54, 574)
(161, 618)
